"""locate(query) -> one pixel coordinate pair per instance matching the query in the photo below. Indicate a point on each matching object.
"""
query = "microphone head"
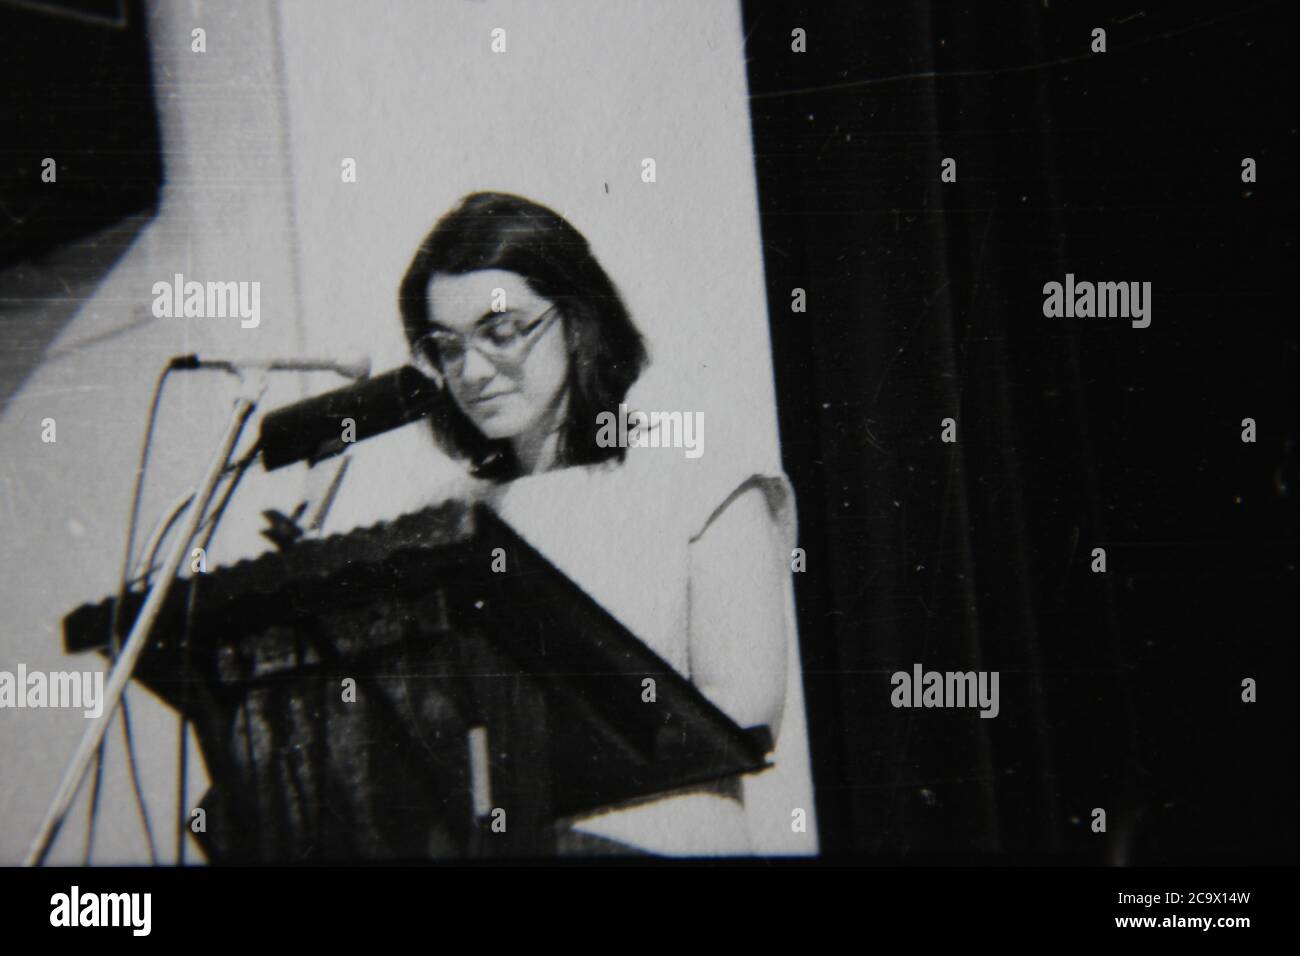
(356, 369)
(313, 428)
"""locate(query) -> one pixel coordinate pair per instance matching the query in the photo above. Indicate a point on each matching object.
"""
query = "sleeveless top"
(623, 532)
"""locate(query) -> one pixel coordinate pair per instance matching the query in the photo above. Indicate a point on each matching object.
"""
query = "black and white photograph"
(617, 433)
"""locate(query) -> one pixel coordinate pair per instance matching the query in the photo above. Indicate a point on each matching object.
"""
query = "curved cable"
(115, 634)
(236, 469)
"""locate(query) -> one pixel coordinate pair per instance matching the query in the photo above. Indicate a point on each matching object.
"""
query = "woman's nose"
(476, 368)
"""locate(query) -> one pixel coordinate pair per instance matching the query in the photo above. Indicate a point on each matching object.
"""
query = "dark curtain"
(1119, 690)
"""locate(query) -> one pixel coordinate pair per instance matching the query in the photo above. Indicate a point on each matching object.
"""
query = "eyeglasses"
(506, 339)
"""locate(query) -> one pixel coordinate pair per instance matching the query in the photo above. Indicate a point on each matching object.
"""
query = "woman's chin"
(505, 416)
(497, 424)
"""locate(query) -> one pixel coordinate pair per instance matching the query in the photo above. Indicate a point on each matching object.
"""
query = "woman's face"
(507, 372)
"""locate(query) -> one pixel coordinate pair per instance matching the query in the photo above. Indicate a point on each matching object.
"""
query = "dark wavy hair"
(490, 230)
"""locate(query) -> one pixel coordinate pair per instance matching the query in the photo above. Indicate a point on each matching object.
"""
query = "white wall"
(254, 133)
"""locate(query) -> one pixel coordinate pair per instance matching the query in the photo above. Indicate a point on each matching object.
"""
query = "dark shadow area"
(1119, 690)
(80, 147)
(80, 163)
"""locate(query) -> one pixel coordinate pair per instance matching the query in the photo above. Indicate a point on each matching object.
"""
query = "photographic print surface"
(475, 430)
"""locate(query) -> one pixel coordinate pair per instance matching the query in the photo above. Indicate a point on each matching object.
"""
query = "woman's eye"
(445, 347)
(501, 334)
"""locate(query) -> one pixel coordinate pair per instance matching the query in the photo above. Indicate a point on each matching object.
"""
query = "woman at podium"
(689, 547)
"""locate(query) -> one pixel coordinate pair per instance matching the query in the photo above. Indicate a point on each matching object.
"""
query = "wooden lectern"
(385, 695)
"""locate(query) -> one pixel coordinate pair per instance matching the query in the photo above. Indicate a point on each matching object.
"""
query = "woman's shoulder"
(669, 473)
(694, 493)
(694, 467)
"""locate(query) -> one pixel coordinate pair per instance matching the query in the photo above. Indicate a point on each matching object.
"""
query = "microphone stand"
(144, 623)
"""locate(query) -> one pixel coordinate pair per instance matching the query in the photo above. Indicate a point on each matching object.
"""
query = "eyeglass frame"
(526, 337)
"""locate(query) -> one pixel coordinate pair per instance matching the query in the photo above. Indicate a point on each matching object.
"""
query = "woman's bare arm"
(737, 613)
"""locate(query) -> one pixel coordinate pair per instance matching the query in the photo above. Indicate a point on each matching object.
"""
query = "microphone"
(313, 428)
